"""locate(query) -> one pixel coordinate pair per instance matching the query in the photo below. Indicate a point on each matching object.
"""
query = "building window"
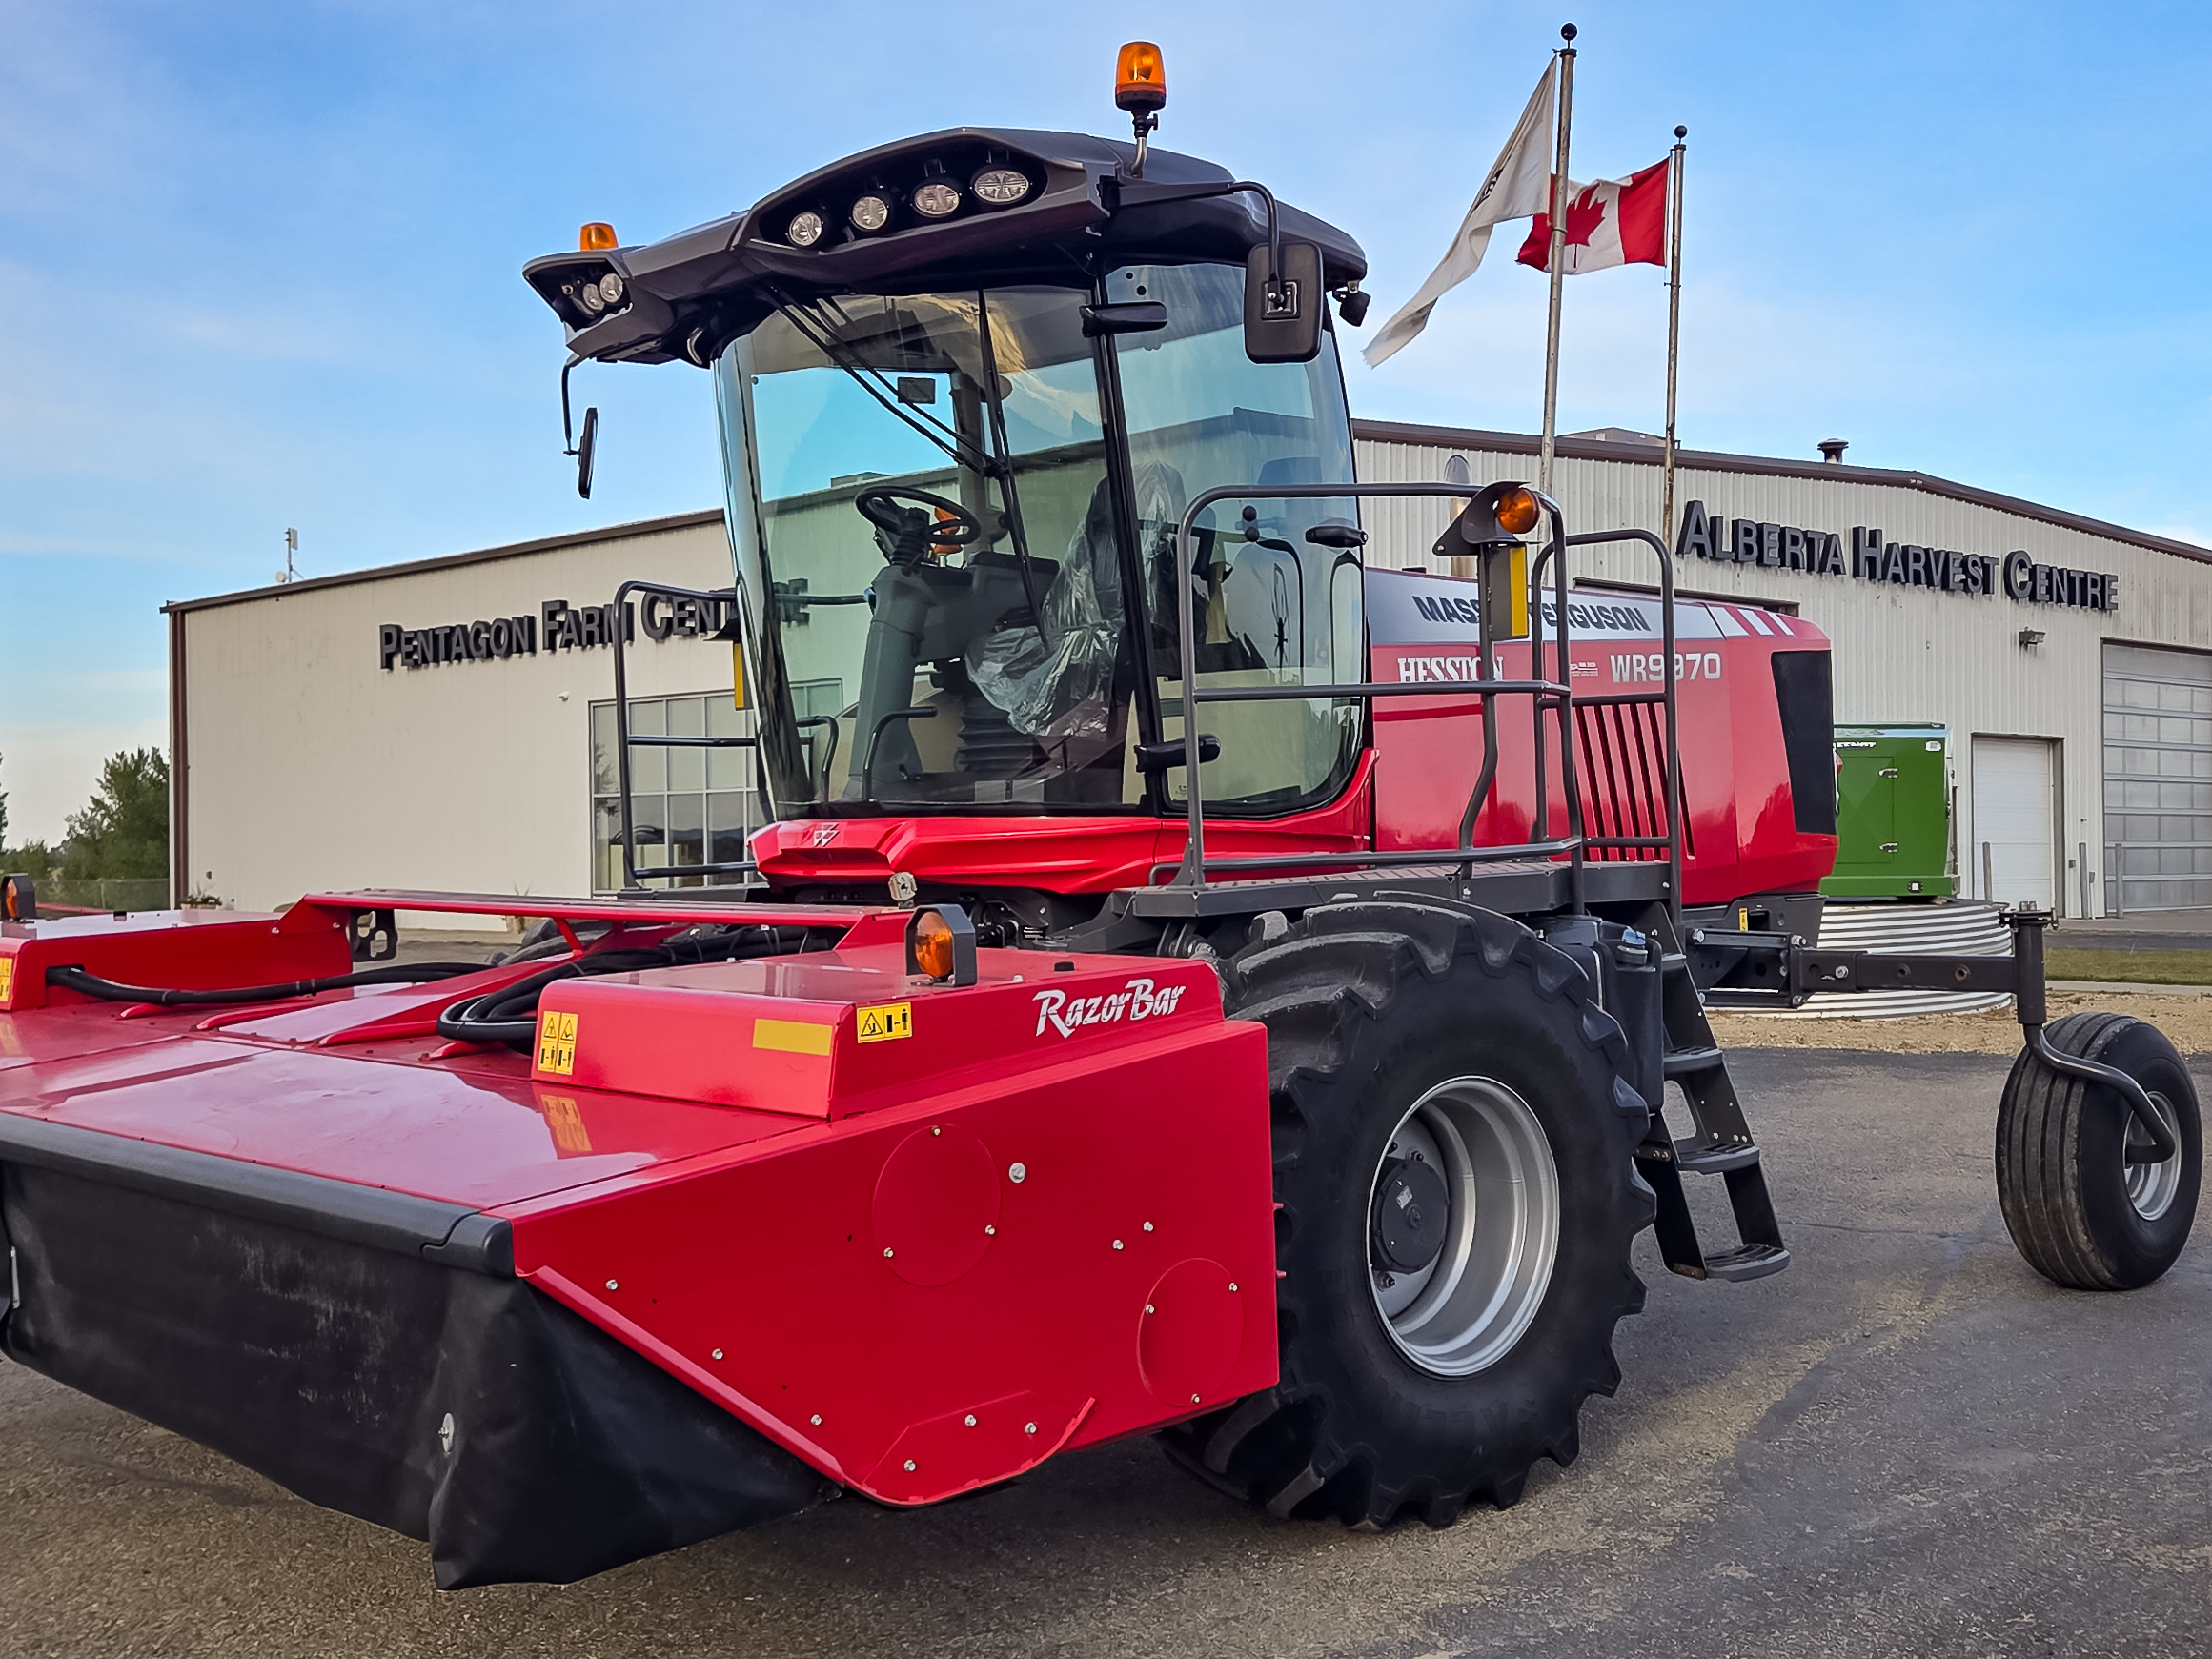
(688, 806)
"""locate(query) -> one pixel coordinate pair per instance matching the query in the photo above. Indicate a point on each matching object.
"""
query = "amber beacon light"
(596, 237)
(1140, 79)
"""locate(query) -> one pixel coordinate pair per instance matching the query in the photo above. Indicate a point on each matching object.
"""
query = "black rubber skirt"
(373, 1354)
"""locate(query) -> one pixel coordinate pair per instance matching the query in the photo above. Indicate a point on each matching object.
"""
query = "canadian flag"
(1615, 221)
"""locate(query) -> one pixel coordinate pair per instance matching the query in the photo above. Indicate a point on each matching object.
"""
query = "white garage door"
(2013, 812)
(2158, 779)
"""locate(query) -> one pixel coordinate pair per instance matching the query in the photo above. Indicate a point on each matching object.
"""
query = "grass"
(2136, 968)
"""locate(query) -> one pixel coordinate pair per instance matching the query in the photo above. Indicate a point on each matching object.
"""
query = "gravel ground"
(1908, 1444)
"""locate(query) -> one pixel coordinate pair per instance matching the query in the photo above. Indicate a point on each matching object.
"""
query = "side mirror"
(1283, 318)
(584, 448)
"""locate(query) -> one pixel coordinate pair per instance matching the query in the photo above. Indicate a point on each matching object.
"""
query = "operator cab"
(958, 441)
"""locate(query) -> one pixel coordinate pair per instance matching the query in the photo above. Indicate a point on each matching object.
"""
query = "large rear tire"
(1422, 1055)
(2082, 1215)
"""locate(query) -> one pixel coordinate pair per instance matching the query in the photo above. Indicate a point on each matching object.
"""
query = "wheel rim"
(2152, 1187)
(1467, 1308)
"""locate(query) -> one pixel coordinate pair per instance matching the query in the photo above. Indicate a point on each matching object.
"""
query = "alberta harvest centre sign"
(1870, 559)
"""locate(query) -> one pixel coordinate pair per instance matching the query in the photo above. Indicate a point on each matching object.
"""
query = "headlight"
(936, 200)
(1000, 187)
(610, 287)
(871, 212)
(589, 296)
(804, 229)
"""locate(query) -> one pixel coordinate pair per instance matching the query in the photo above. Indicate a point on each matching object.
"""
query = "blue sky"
(258, 263)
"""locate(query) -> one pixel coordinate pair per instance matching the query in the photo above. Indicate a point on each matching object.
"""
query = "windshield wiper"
(823, 337)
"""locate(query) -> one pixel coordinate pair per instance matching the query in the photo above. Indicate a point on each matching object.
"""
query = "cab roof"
(688, 295)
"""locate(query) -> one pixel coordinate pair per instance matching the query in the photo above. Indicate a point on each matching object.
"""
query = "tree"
(122, 830)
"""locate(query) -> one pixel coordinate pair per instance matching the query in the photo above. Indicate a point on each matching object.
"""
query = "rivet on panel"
(1147, 1227)
(1017, 1173)
(1029, 1428)
(1117, 1243)
(1194, 1399)
(717, 1353)
(935, 1130)
(886, 1252)
(816, 1420)
(989, 1231)
(1149, 1308)
(911, 1461)
(970, 1420)
(1232, 1284)
(611, 1284)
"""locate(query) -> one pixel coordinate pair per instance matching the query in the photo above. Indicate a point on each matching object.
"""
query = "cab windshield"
(928, 549)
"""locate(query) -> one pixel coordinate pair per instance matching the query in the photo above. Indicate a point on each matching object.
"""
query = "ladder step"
(1746, 1261)
(1687, 1062)
(1693, 1159)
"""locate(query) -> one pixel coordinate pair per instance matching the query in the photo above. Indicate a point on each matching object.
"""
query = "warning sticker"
(887, 1023)
(557, 1043)
(7, 977)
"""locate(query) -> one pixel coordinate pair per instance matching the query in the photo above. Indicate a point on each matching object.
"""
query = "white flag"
(1519, 185)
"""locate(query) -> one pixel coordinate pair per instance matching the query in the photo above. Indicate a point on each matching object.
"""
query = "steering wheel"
(912, 529)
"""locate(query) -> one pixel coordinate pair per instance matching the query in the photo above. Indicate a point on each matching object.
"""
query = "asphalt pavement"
(1907, 1443)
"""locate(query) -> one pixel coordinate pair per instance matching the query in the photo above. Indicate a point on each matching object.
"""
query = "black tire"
(2061, 1176)
(1368, 1006)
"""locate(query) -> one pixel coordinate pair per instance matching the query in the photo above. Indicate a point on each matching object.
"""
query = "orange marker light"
(1517, 511)
(933, 945)
(1140, 78)
(596, 237)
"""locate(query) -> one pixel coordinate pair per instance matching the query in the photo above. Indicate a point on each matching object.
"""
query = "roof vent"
(1831, 449)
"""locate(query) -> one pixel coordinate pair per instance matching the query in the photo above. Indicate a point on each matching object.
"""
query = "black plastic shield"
(458, 1406)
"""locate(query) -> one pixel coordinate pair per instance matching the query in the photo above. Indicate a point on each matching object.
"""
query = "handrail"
(1666, 695)
(625, 741)
(1190, 873)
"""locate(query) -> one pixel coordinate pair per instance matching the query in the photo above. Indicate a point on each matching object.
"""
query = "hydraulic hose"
(87, 984)
(509, 1015)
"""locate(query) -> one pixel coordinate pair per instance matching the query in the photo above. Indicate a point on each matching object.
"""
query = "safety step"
(1689, 1061)
(1696, 1160)
(1746, 1261)
(1673, 962)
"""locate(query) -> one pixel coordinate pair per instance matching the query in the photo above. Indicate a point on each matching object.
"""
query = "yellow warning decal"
(557, 1043)
(791, 1036)
(887, 1023)
(7, 977)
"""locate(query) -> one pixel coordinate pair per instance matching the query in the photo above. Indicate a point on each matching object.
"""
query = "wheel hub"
(1463, 1227)
(2152, 1187)
(1409, 1215)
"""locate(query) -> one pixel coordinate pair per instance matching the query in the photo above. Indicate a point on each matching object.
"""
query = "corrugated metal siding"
(1902, 654)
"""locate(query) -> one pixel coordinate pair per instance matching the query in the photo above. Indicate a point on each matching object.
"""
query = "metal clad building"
(445, 723)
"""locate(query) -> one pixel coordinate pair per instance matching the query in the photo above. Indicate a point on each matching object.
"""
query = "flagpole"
(1558, 262)
(1673, 324)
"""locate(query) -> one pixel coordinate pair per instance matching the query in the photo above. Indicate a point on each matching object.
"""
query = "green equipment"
(1893, 813)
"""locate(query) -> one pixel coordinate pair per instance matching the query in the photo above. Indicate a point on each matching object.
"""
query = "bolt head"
(989, 1231)
(1147, 1227)
(935, 1130)
(816, 1420)
(1117, 1243)
(614, 1285)
(1017, 1173)
(1149, 1308)
(1029, 1428)
(886, 1252)
(1232, 1284)
(1194, 1399)
(909, 1465)
(969, 1420)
